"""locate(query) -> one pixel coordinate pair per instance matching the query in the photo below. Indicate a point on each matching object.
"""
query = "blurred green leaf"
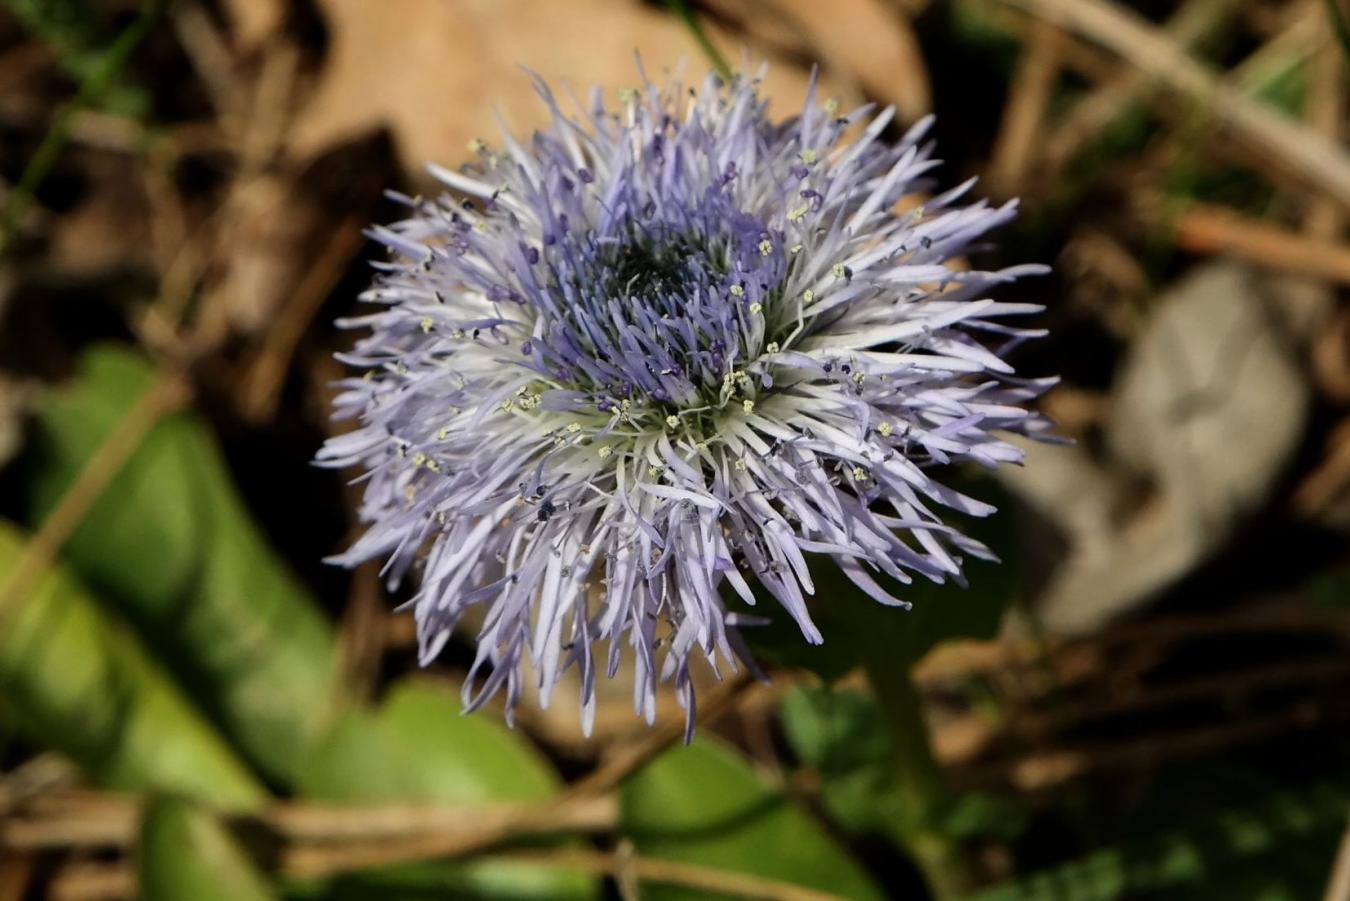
(1277, 848)
(418, 747)
(170, 540)
(844, 614)
(74, 679)
(842, 735)
(703, 804)
(185, 853)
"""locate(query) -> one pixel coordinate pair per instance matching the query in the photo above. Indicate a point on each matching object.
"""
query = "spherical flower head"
(665, 350)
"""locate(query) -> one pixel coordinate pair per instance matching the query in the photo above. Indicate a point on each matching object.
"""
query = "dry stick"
(1207, 688)
(1318, 162)
(1188, 26)
(1326, 108)
(1210, 229)
(266, 371)
(611, 772)
(584, 806)
(310, 822)
(670, 872)
(1045, 770)
(118, 880)
(453, 837)
(163, 397)
(108, 820)
(1021, 132)
(93, 881)
(1338, 888)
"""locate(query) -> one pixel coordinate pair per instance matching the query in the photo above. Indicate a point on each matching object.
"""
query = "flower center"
(661, 315)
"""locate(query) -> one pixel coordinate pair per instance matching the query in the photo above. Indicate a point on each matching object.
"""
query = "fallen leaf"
(434, 72)
(865, 45)
(1207, 410)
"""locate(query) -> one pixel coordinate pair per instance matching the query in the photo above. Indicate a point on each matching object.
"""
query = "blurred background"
(1149, 699)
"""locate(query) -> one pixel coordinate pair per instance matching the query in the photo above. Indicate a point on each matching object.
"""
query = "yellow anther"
(765, 248)
(748, 405)
(885, 429)
(797, 212)
(859, 474)
(756, 307)
(673, 421)
(604, 451)
(737, 291)
(808, 156)
(771, 347)
(574, 427)
(426, 325)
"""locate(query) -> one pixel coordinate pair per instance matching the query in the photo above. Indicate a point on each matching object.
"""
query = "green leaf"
(74, 679)
(702, 804)
(171, 541)
(419, 747)
(1277, 848)
(185, 852)
(845, 615)
(842, 735)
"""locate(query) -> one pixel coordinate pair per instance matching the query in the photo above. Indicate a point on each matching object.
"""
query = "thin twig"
(266, 372)
(323, 836)
(704, 879)
(1339, 26)
(1320, 164)
(608, 775)
(1091, 115)
(453, 835)
(1338, 888)
(1044, 770)
(163, 397)
(1022, 130)
(1210, 229)
(104, 881)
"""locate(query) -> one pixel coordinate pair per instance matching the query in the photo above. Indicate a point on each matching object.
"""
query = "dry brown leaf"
(433, 71)
(871, 43)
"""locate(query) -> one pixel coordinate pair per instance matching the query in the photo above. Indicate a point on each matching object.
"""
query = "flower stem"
(681, 10)
(917, 778)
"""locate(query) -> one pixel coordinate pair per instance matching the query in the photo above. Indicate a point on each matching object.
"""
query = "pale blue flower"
(665, 349)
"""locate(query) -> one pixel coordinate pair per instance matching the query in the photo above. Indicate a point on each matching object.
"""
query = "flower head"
(665, 349)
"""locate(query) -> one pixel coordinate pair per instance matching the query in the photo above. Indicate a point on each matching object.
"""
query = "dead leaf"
(1208, 409)
(858, 42)
(434, 71)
